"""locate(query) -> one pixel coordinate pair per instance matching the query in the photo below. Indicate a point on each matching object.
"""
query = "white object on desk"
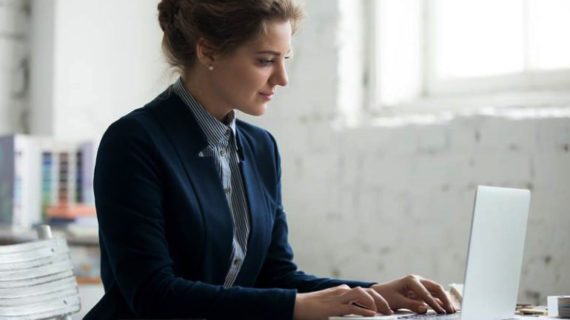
(556, 303)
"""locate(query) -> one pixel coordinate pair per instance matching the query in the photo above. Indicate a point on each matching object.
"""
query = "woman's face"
(247, 78)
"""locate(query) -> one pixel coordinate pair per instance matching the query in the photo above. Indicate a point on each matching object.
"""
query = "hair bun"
(167, 10)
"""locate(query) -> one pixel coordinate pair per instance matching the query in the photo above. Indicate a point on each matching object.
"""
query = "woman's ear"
(205, 53)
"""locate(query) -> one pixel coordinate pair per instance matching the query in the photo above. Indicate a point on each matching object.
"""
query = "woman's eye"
(265, 62)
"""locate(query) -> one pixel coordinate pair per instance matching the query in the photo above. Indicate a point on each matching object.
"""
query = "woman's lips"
(267, 96)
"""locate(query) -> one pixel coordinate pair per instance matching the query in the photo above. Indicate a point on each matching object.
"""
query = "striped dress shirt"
(222, 147)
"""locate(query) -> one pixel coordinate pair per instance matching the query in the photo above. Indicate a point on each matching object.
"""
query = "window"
(438, 48)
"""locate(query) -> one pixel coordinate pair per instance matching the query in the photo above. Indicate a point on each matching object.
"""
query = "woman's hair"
(223, 24)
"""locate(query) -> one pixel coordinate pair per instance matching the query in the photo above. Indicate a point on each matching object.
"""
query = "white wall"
(375, 201)
(14, 25)
(103, 61)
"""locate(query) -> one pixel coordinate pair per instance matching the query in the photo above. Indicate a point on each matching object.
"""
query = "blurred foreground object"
(36, 279)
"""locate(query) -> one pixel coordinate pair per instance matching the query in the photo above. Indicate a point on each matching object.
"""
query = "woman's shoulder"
(144, 116)
(253, 132)
(257, 141)
(129, 125)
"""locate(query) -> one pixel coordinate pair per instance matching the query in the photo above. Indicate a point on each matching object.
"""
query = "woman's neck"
(198, 86)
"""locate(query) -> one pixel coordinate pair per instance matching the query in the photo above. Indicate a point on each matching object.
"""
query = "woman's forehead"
(277, 38)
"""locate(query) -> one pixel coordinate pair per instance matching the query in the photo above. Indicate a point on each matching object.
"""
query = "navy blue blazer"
(166, 230)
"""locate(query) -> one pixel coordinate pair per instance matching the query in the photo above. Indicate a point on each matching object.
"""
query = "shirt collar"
(216, 131)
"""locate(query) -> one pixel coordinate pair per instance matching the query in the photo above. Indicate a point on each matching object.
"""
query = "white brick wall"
(14, 22)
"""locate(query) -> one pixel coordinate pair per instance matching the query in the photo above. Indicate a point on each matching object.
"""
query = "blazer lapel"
(188, 140)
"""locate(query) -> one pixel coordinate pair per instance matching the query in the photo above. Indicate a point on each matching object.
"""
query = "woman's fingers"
(365, 302)
(439, 302)
(415, 293)
(438, 291)
(336, 301)
(417, 306)
(382, 305)
(418, 287)
(345, 309)
(360, 297)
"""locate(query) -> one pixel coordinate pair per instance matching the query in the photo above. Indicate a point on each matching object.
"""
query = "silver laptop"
(494, 258)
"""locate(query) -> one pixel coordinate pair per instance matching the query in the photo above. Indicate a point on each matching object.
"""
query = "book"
(7, 179)
(86, 170)
(18, 162)
(41, 177)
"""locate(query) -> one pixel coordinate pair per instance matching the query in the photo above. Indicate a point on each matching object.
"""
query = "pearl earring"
(211, 67)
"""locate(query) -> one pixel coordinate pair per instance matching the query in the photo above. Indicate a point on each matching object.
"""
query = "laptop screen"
(495, 253)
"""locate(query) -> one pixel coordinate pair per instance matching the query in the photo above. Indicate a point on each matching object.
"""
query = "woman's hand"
(415, 293)
(338, 301)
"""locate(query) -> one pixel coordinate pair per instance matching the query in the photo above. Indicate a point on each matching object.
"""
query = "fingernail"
(422, 308)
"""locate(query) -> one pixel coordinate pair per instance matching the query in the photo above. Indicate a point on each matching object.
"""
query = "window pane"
(398, 49)
(478, 38)
(549, 29)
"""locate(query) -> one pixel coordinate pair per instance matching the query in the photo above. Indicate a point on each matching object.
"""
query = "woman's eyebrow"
(275, 53)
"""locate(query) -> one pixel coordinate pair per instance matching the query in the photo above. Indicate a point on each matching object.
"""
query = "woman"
(189, 198)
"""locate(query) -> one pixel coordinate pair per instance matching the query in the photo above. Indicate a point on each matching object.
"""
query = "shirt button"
(236, 262)
(222, 153)
(227, 190)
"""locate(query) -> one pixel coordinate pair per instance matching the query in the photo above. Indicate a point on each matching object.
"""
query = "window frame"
(554, 84)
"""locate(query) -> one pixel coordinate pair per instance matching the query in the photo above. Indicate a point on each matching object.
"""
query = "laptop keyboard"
(453, 316)
(400, 315)
(433, 316)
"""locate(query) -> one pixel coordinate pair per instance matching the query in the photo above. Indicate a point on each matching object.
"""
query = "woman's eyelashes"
(265, 62)
(268, 62)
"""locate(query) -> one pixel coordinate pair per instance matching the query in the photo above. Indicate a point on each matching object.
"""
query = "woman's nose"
(279, 76)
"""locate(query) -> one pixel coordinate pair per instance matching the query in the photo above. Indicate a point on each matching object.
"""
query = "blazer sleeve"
(128, 193)
(279, 269)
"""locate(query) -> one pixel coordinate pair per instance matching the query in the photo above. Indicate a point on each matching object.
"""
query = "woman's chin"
(256, 111)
